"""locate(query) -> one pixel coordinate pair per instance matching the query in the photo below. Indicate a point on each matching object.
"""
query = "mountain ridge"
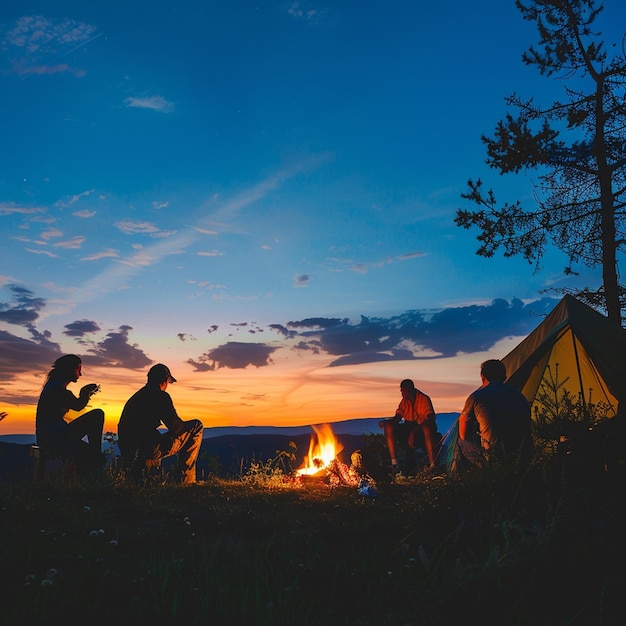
(232, 449)
(358, 426)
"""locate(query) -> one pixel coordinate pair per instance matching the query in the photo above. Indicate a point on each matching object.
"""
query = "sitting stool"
(56, 469)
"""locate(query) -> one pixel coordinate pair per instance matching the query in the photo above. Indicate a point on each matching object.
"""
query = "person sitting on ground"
(140, 442)
(499, 416)
(58, 438)
(414, 425)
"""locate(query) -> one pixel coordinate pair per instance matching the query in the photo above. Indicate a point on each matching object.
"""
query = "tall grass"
(537, 545)
(505, 545)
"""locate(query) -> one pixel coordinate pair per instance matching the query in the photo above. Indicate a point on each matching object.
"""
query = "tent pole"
(580, 376)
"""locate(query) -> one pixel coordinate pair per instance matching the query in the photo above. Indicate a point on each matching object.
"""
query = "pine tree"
(577, 145)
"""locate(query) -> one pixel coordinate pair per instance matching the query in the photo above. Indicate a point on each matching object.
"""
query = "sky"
(260, 195)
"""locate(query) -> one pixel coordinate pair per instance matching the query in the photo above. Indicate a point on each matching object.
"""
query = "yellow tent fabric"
(587, 348)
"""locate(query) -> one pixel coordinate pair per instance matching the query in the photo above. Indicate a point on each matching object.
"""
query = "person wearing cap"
(58, 438)
(414, 425)
(141, 443)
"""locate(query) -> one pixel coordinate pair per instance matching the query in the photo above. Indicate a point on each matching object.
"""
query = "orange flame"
(323, 450)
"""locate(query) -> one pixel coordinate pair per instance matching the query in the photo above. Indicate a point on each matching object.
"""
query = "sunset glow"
(288, 397)
(257, 196)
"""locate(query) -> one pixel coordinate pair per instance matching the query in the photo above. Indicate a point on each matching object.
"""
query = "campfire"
(322, 465)
(323, 450)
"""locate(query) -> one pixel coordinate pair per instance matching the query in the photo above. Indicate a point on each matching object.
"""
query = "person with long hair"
(79, 438)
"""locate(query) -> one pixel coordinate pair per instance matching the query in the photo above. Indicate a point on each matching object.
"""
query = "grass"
(539, 547)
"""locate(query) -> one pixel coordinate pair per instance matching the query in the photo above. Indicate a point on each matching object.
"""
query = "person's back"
(503, 416)
(140, 420)
(140, 442)
(500, 413)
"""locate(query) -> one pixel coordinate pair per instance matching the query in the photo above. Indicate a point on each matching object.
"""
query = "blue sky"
(261, 195)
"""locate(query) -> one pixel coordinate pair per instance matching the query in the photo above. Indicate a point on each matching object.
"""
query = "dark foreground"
(539, 548)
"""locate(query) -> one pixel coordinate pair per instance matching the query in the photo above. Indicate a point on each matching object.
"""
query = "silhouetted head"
(407, 389)
(160, 373)
(66, 368)
(493, 370)
(407, 384)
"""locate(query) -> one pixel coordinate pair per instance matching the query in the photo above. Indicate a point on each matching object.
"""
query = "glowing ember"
(323, 450)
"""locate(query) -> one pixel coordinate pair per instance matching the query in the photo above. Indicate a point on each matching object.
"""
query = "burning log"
(322, 467)
(323, 450)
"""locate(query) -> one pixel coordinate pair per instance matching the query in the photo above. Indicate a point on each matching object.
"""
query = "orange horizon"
(280, 396)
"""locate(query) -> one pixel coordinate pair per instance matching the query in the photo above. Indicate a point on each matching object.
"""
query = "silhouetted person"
(414, 425)
(498, 416)
(142, 445)
(58, 438)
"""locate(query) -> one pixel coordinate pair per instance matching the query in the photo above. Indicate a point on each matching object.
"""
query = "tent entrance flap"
(569, 367)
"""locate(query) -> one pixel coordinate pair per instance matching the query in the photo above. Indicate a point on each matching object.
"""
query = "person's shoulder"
(138, 394)
(54, 383)
(512, 389)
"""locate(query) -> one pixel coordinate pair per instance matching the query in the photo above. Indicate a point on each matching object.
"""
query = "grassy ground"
(506, 548)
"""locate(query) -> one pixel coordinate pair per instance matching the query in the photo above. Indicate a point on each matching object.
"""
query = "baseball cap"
(160, 373)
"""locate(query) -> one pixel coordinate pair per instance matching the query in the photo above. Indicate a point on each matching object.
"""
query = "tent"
(585, 349)
(581, 348)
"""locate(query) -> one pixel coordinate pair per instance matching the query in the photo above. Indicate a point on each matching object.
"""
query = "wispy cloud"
(411, 255)
(75, 198)
(230, 210)
(51, 233)
(46, 252)
(116, 275)
(34, 39)
(52, 286)
(37, 34)
(155, 103)
(73, 243)
(306, 11)
(364, 267)
(205, 231)
(10, 209)
(104, 254)
(130, 228)
(44, 70)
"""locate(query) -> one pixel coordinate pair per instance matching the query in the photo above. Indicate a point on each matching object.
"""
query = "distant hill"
(367, 425)
(362, 426)
(22, 439)
(236, 447)
(232, 447)
(227, 455)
